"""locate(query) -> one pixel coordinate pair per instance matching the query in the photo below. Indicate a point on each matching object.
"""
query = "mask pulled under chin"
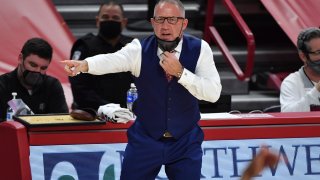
(32, 78)
(168, 45)
(315, 66)
(110, 29)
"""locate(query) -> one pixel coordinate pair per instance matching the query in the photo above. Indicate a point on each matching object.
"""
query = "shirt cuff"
(90, 64)
(186, 77)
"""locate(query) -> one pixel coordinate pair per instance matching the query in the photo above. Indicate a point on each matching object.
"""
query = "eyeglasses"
(170, 20)
(314, 52)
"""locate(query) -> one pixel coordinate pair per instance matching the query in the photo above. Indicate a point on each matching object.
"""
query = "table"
(90, 151)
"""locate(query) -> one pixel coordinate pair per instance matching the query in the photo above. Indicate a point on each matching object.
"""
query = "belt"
(167, 134)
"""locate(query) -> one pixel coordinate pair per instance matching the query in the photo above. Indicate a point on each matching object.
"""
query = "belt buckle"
(167, 134)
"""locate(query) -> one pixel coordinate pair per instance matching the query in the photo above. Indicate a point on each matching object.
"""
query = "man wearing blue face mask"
(90, 91)
(42, 93)
(300, 91)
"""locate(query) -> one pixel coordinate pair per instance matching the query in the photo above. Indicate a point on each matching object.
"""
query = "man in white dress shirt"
(300, 91)
(172, 71)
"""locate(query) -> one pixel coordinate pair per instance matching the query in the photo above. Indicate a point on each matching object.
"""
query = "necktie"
(168, 76)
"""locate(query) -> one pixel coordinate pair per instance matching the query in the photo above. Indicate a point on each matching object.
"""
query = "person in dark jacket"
(90, 91)
(42, 93)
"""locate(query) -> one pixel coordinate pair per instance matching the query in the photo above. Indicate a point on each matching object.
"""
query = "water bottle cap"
(132, 85)
(14, 94)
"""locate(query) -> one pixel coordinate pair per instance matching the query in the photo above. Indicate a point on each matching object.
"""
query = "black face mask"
(314, 65)
(168, 45)
(32, 78)
(110, 29)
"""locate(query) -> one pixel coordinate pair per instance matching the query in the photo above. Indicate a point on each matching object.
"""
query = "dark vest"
(164, 105)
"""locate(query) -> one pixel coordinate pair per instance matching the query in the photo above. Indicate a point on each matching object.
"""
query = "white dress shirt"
(204, 84)
(294, 97)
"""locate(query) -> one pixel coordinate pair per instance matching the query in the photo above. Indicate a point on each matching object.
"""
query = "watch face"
(179, 74)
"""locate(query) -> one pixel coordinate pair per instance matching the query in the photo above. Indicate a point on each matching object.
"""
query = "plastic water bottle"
(132, 95)
(10, 111)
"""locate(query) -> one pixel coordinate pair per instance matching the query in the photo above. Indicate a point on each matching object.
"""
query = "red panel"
(262, 132)
(22, 20)
(83, 137)
(252, 126)
(294, 15)
(211, 133)
(14, 151)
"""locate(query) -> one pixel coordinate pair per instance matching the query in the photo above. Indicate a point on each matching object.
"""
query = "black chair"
(274, 108)
(222, 105)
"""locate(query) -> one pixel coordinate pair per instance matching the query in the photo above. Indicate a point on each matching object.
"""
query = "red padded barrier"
(294, 15)
(21, 20)
(14, 151)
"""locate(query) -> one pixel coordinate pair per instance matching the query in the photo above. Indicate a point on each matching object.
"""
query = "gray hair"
(178, 3)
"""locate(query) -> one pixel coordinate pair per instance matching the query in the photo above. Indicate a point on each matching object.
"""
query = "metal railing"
(211, 33)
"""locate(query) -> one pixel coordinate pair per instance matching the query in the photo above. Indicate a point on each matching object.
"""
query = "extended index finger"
(70, 67)
(67, 62)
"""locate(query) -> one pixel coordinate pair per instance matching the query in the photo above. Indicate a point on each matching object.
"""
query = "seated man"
(42, 93)
(91, 91)
(300, 91)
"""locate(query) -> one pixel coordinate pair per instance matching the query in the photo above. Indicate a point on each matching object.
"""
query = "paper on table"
(214, 116)
(256, 115)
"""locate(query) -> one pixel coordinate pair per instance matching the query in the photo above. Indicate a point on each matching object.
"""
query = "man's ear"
(185, 24)
(152, 22)
(97, 22)
(20, 58)
(302, 56)
(124, 23)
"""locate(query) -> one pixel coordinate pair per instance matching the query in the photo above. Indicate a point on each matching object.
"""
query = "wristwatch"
(179, 74)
